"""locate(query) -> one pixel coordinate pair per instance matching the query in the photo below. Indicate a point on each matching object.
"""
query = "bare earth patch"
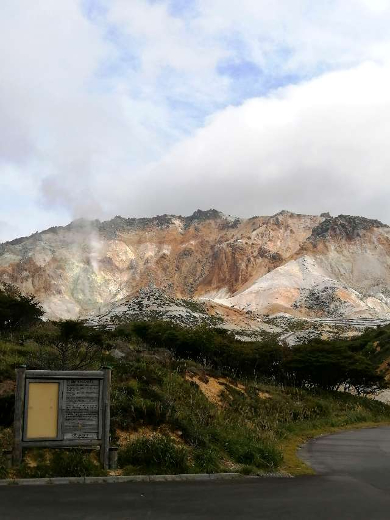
(213, 387)
(264, 395)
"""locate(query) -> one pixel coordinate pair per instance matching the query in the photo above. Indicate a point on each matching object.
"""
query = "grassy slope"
(212, 423)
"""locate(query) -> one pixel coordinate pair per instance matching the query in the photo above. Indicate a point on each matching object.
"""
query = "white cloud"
(318, 146)
(300, 35)
(125, 111)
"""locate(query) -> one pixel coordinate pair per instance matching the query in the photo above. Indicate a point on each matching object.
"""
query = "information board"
(62, 409)
(81, 409)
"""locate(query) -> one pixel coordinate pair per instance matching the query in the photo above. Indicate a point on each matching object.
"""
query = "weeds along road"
(352, 482)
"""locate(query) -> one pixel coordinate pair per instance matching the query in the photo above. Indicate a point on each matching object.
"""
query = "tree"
(364, 377)
(332, 366)
(17, 311)
(318, 364)
(67, 345)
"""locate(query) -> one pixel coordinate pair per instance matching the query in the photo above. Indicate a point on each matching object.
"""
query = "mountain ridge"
(308, 266)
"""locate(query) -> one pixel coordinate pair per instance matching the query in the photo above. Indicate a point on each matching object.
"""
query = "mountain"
(304, 266)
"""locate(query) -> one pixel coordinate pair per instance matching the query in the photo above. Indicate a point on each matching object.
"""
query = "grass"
(156, 454)
(10, 356)
(168, 421)
(251, 427)
(59, 463)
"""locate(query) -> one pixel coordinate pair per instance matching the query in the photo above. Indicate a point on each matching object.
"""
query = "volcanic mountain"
(305, 266)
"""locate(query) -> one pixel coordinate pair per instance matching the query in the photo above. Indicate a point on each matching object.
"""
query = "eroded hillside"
(302, 265)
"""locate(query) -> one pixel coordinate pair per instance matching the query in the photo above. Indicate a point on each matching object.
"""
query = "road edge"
(187, 477)
(296, 466)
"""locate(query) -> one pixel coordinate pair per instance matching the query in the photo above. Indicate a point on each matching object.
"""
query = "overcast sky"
(143, 107)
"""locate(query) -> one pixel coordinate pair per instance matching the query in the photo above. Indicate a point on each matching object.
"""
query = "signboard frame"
(25, 377)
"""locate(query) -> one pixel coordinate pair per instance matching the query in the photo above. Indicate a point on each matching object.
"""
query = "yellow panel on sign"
(42, 415)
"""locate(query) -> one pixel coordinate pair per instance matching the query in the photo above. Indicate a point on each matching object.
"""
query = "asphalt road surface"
(352, 482)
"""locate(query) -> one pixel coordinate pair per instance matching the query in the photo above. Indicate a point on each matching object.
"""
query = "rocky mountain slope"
(306, 266)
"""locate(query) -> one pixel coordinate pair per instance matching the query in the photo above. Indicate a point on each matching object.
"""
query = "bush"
(330, 365)
(258, 453)
(207, 460)
(134, 404)
(75, 463)
(319, 364)
(154, 454)
(17, 310)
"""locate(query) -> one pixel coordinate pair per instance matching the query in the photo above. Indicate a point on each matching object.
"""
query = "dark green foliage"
(193, 343)
(7, 405)
(17, 310)
(261, 455)
(74, 463)
(328, 366)
(66, 345)
(140, 401)
(216, 347)
(269, 392)
(135, 405)
(207, 460)
(77, 331)
(248, 447)
(154, 454)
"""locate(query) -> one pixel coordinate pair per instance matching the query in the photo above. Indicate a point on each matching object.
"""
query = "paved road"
(353, 483)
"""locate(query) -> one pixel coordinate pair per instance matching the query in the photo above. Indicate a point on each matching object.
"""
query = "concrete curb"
(136, 478)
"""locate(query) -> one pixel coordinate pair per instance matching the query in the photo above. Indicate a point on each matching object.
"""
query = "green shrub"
(16, 309)
(148, 412)
(154, 454)
(207, 460)
(11, 356)
(135, 405)
(260, 454)
(74, 463)
(329, 365)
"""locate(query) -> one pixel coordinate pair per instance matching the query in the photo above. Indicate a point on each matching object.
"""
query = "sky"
(145, 107)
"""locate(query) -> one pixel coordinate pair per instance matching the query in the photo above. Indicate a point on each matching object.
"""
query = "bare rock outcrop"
(306, 266)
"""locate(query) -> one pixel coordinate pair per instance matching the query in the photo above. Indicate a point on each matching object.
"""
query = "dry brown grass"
(264, 395)
(213, 387)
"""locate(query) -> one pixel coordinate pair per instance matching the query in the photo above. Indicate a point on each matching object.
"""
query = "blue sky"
(163, 106)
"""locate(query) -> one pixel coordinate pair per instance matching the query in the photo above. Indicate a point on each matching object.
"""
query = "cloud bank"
(145, 107)
(319, 146)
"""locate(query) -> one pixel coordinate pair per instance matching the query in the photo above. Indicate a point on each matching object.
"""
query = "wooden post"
(105, 447)
(18, 417)
(113, 458)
